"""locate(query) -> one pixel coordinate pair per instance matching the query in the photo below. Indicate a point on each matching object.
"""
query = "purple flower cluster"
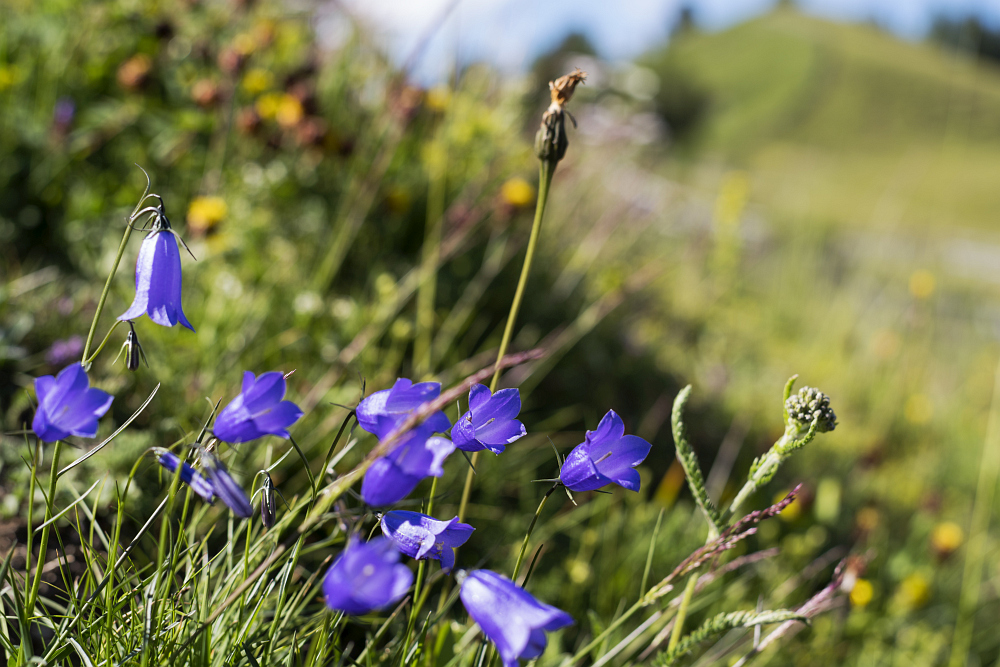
(68, 405)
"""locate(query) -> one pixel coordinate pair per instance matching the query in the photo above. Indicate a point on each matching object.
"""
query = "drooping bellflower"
(384, 410)
(257, 411)
(189, 475)
(490, 421)
(68, 405)
(158, 278)
(366, 577)
(392, 477)
(225, 487)
(420, 536)
(509, 616)
(606, 456)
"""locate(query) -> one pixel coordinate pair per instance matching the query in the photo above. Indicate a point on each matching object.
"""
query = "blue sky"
(510, 33)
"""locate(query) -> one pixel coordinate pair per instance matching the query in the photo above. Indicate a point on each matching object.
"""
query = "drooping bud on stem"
(551, 141)
(133, 350)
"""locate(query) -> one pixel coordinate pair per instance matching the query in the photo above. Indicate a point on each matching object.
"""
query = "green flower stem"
(768, 466)
(545, 171)
(527, 535)
(29, 605)
(104, 297)
(107, 337)
(975, 554)
(418, 598)
(675, 636)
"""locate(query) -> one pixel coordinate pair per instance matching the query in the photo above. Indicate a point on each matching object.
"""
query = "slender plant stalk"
(29, 605)
(545, 171)
(989, 469)
(418, 599)
(427, 291)
(104, 295)
(527, 535)
(675, 636)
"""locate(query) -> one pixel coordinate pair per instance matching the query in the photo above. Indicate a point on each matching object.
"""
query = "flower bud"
(133, 350)
(268, 506)
(551, 141)
(809, 405)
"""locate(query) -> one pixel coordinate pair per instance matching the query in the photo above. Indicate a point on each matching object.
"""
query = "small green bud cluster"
(809, 405)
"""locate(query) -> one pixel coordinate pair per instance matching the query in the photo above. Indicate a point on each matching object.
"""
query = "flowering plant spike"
(490, 421)
(606, 456)
(158, 277)
(509, 616)
(366, 577)
(257, 411)
(392, 477)
(68, 405)
(420, 536)
(384, 410)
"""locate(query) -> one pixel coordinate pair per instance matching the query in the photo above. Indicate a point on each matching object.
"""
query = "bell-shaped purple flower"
(257, 411)
(509, 616)
(392, 477)
(158, 280)
(385, 410)
(189, 476)
(490, 422)
(68, 405)
(606, 456)
(225, 487)
(366, 577)
(420, 536)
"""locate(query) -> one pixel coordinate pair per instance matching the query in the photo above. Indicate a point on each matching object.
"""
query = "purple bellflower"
(68, 405)
(158, 278)
(257, 411)
(509, 616)
(366, 577)
(225, 487)
(489, 423)
(420, 536)
(606, 455)
(189, 476)
(385, 410)
(392, 477)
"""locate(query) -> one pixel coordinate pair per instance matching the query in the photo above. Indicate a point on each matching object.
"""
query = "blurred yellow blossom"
(518, 192)
(438, 98)
(946, 538)
(914, 592)
(267, 105)
(918, 409)
(257, 80)
(204, 213)
(922, 284)
(245, 44)
(862, 593)
(289, 111)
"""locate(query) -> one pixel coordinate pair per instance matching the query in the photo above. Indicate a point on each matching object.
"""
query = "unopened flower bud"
(132, 350)
(551, 141)
(810, 405)
(268, 505)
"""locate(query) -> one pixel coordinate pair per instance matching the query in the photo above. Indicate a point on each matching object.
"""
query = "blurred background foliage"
(791, 195)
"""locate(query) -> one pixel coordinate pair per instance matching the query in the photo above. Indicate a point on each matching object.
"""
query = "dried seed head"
(808, 405)
(551, 141)
(562, 88)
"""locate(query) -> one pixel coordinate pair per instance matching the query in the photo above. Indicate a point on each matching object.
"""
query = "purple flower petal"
(257, 411)
(509, 616)
(158, 281)
(67, 405)
(198, 484)
(366, 577)
(384, 483)
(420, 536)
(606, 456)
(225, 487)
(268, 389)
(490, 421)
(275, 420)
(384, 410)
